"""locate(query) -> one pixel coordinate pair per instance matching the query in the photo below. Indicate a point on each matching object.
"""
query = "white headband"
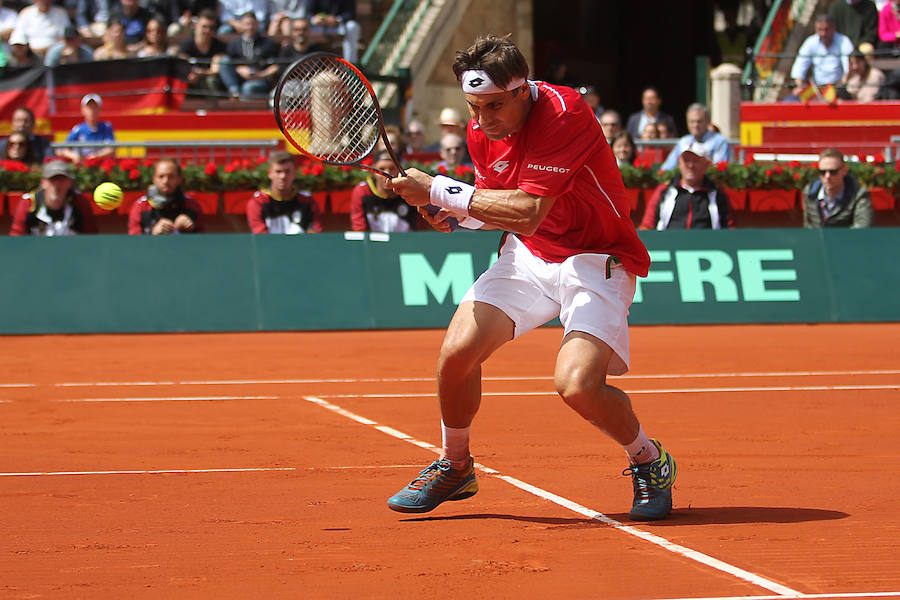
(479, 82)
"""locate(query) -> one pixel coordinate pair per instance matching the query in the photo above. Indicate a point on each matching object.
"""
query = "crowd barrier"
(334, 281)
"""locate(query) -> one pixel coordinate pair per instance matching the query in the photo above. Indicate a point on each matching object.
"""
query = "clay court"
(258, 465)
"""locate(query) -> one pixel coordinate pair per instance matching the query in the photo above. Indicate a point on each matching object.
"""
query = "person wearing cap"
(698, 121)
(23, 120)
(836, 198)
(92, 129)
(56, 207)
(70, 50)
(545, 174)
(450, 121)
(691, 200)
(40, 25)
(165, 209)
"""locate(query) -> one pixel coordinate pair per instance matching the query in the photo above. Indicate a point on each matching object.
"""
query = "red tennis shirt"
(561, 153)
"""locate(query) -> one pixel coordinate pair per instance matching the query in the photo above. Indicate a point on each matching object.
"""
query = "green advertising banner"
(237, 282)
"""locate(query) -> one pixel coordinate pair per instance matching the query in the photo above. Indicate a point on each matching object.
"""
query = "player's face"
(388, 166)
(166, 178)
(500, 114)
(831, 172)
(21, 120)
(55, 190)
(281, 176)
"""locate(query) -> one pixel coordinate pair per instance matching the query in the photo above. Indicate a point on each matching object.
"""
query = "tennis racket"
(327, 109)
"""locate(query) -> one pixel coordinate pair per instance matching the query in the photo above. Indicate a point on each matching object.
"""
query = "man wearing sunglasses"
(836, 198)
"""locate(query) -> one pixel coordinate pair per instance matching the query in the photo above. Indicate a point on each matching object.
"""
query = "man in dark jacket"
(836, 198)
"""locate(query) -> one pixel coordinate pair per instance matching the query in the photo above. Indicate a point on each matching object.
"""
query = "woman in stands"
(19, 148)
(623, 149)
(113, 43)
(156, 42)
(863, 80)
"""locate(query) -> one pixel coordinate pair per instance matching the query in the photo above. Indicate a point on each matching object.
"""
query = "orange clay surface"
(282, 449)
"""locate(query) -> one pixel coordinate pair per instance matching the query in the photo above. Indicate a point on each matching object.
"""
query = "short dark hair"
(208, 13)
(280, 156)
(497, 56)
(167, 159)
(26, 109)
(826, 18)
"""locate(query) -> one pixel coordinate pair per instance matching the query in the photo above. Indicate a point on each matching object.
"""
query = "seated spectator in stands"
(624, 149)
(92, 129)
(114, 45)
(231, 11)
(17, 147)
(836, 198)
(40, 25)
(247, 70)
(204, 50)
(827, 52)
(395, 137)
(91, 17)
(134, 19)
(651, 102)
(589, 94)
(281, 208)
(611, 124)
(665, 132)
(650, 132)
(56, 208)
(23, 120)
(70, 50)
(453, 148)
(863, 81)
(415, 137)
(691, 200)
(284, 17)
(698, 131)
(336, 16)
(734, 39)
(450, 121)
(165, 209)
(373, 207)
(298, 44)
(156, 41)
(889, 24)
(7, 23)
(857, 19)
(20, 55)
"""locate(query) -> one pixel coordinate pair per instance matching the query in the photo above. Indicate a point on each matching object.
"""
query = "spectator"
(373, 207)
(857, 19)
(665, 132)
(246, 70)
(651, 102)
(40, 25)
(284, 17)
(204, 50)
(70, 50)
(450, 121)
(836, 198)
(827, 52)
(889, 24)
(734, 39)
(453, 148)
(415, 137)
(395, 137)
(298, 44)
(699, 131)
(231, 11)
(92, 129)
(611, 124)
(134, 19)
(17, 147)
(91, 17)
(281, 209)
(7, 23)
(114, 44)
(23, 120)
(624, 149)
(336, 16)
(863, 81)
(691, 200)
(156, 41)
(21, 56)
(56, 208)
(650, 132)
(589, 94)
(165, 209)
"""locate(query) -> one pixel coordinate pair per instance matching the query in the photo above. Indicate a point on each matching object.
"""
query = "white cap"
(698, 149)
(450, 116)
(88, 97)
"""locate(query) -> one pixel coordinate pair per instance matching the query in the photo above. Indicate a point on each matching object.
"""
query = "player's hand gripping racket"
(326, 109)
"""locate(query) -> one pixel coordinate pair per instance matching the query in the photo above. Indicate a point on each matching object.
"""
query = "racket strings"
(329, 111)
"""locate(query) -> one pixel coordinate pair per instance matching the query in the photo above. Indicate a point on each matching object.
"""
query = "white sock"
(641, 450)
(456, 445)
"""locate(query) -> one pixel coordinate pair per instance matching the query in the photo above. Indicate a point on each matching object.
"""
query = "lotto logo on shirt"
(548, 168)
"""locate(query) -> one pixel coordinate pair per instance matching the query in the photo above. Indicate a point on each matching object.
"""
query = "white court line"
(17, 385)
(170, 399)
(800, 596)
(428, 379)
(151, 472)
(578, 508)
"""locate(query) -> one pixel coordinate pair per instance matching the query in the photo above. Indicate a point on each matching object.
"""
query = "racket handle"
(431, 209)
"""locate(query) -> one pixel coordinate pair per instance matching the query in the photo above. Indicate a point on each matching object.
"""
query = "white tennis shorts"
(532, 291)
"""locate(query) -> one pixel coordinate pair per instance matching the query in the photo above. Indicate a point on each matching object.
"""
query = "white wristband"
(471, 223)
(451, 195)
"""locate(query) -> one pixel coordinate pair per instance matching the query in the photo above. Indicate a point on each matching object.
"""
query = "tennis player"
(546, 175)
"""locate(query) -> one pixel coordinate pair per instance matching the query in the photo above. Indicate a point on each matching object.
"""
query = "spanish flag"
(812, 92)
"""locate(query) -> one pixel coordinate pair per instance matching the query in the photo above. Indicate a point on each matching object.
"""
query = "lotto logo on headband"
(479, 82)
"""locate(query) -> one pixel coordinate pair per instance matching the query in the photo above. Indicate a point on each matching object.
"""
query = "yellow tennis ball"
(108, 195)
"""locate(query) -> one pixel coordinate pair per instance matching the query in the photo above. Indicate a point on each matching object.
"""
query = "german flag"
(134, 85)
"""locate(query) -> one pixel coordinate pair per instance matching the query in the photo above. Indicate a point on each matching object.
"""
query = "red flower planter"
(128, 199)
(340, 200)
(882, 198)
(208, 201)
(235, 203)
(772, 200)
(14, 198)
(737, 198)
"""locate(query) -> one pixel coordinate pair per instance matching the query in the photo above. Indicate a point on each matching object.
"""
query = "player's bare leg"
(475, 332)
(580, 379)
